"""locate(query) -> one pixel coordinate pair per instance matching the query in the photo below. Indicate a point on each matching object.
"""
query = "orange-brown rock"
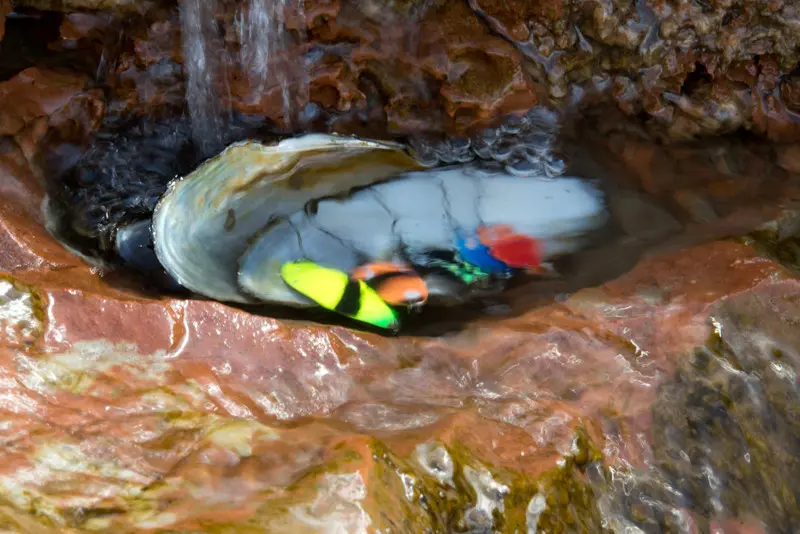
(684, 71)
(679, 64)
(32, 95)
(84, 30)
(436, 70)
(25, 242)
(181, 402)
(37, 103)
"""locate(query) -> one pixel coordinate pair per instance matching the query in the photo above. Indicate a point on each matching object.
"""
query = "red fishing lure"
(516, 250)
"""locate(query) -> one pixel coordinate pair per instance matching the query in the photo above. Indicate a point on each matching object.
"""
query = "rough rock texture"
(683, 69)
(124, 412)
(691, 68)
(38, 103)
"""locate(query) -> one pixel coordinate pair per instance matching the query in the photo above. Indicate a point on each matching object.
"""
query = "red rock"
(40, 103)
(32, 94)
(454, 66)
(595, 360)
(482, 75)
(44, 103)
(24, 242)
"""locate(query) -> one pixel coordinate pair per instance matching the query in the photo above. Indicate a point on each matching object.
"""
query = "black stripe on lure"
(336, 291)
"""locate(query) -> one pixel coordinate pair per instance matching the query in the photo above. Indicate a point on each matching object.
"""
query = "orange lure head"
(490, 234)
(396, 284)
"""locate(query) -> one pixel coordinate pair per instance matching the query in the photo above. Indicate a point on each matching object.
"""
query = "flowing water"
(262, 57)
(262, 38)
(205, 84)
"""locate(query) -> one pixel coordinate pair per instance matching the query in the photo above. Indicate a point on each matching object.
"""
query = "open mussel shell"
(206, 221)
(404, 218)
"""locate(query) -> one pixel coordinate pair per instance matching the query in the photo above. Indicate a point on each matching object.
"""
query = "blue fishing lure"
(471, 250)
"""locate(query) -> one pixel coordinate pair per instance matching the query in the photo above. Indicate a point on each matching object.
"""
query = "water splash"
(205, 66)
(253, 30)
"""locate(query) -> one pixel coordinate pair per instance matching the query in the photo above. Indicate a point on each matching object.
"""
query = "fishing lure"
(513, 249)
(395, 283)
(519, 251)
(448, 261)
(336, 291)
(472, 251)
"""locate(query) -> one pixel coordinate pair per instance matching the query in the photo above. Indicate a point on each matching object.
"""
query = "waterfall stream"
(205, 69)
(263, 39)
(262, 57)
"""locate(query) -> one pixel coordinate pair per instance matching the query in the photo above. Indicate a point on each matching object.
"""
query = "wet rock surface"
(683, 70)
(45, 103)
(624, 405)
(660, 396)
(635, 403)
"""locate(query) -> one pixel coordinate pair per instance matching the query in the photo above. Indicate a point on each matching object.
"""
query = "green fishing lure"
(336, 291)
(466, 272)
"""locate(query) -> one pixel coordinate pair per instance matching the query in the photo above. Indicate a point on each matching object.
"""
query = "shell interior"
(415, 213)
(205, 221)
